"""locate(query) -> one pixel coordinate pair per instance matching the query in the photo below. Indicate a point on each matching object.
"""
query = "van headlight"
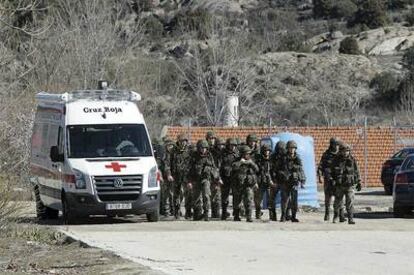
(80, 182)
(153, 177)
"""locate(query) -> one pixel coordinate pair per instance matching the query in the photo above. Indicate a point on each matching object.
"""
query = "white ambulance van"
(91, 155)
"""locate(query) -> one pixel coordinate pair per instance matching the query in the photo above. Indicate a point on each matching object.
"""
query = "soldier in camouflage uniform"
(158, 155)
(202, 173)
(345, 178)
(211, 139)
(277, 160)
(252, 142)
(179, 169)
(324, 171)
(264, 179)
(293, 177)
(217, 153)
(230, 155)
(244, 171)
(167, 184)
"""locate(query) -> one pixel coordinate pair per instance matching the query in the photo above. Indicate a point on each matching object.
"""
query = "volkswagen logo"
(118, 183)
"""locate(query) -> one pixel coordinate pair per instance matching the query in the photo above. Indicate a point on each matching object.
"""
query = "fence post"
(365, 152)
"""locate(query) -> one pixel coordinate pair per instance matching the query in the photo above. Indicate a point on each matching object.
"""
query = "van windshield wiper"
(113, 159)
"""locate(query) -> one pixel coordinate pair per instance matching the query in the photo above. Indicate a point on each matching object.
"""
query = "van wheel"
(399, 211)
(68, 217)
(153, 216)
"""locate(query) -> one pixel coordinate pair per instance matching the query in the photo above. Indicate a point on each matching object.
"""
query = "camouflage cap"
(202, 144)
(182, 137)
(245, 150)
(281, 145)
(344, 147)
(265, 147)
(210, 134)
(231, 141)
(292, 144)
(333, 141)
(220, 141)
(251, 137)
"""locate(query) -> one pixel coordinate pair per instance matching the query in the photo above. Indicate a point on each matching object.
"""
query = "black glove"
(358, 187)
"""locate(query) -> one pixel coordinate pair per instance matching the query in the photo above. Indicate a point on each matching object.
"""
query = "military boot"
(224, 214)
(351, 218)
(335, 218)
(258, 214)
(236, 215)
(205, 216)
(294, 219)
(326, 218)
(215, 214)
(342, 216)
(283, 217)
(272, 215)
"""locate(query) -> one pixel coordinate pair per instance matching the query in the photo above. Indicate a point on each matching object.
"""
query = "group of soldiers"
(203, 177)
(338, 170)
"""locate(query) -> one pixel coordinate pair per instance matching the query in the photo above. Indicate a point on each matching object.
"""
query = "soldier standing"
(167, 185)
(264, 179)
(179, 169)
(277, 160)
(345, 177)
(230, 155)
(217, 153)
(294, 177)
(211, 139)
(252, 142)
(244, 171)
(324, 171)
(202, 172)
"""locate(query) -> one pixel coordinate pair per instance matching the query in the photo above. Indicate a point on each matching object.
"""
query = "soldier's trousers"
(348, 193)
(243, 195)
(329, 191)
(178, 192)
(225, 194)
(272, 196)
(289, 200)
(258, 197)
(167, 200)
(202, 193)
(215, 200)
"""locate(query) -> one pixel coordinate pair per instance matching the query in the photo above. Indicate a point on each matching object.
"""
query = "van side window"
(45, 133)
(61, 140)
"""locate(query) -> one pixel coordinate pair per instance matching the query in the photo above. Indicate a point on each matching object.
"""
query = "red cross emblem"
(115, 166)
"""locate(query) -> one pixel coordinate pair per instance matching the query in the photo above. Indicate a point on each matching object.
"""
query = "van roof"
(92, 95)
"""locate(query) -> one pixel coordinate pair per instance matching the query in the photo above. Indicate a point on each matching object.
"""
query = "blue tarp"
(306, 151)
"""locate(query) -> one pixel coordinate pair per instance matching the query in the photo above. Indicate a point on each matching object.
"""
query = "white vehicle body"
(91, 155)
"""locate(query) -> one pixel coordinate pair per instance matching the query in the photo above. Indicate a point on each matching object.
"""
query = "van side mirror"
(54, 154)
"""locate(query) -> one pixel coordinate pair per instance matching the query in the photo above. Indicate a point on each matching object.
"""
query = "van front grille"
(118, 188)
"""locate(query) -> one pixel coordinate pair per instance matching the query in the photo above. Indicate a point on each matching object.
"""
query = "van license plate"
(118, 206)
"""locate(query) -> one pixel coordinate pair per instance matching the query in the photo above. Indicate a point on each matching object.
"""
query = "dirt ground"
(31, 249)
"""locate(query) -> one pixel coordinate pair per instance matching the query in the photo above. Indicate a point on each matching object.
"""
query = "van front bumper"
(83, 204)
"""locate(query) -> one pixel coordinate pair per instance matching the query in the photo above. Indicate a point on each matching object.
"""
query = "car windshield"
(109, 140)
(408, 163)
(403, 153)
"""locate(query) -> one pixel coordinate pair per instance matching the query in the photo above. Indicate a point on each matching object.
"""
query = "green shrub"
(385, 86)
(349, 46)
(409, 17)
(343, 9)
(371, 13)
(322, 8)
(153, 27)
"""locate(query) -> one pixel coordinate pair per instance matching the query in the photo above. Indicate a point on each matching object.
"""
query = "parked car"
(404, 188)
(390, 167)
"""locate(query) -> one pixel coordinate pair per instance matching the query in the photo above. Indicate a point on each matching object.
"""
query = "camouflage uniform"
(230, 155)
(277, 160)
(244, 171)
(293, 176)
(324, 170)
(345, 177)
(167, 185)
(264, 179)
(202, 172)
(179, 169)
(217, 153)
(252, 142)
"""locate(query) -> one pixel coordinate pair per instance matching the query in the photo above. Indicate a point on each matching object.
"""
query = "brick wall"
(380, 141)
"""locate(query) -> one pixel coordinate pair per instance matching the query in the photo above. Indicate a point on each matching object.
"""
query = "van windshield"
(108, 140)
